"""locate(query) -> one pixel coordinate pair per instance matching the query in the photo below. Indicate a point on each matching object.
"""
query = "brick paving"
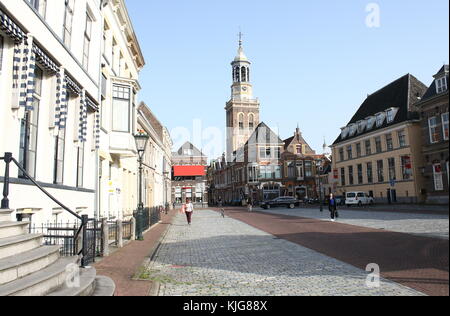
(415, 261)
(424, 224)
(124, 263)
(227, 257)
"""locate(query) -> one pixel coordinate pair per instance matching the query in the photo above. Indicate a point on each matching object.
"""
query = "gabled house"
(435, 137)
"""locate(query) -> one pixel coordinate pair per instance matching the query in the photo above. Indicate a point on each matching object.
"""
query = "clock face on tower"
(244, 89)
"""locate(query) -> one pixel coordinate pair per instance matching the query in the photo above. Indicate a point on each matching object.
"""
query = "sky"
(313, 62)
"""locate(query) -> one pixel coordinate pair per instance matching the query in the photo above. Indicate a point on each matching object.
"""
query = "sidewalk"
(124, 263)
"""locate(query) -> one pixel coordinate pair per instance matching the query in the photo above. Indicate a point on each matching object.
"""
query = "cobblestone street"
(226, 257)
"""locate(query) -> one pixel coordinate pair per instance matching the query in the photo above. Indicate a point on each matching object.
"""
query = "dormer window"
(441, 85)
(344, 132)
(370, 122)
(380, 119)
(353, 129)
(361, 126)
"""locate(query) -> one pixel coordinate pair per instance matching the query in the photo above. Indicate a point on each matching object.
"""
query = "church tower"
(243, 109)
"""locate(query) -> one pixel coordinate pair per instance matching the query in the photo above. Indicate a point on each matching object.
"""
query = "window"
(308, 169)
(277, 172)
(369, 172)
(358, 150)
(291, 170)
(350, 175)
(241, 121)
(251, 122)
(402, 139)
(342, 176)
(444, 124)
(360, 174)
(391, 163)
(378, 145)
(389, 142)
(437, 177)
(300, 173)
(380, 171)
(58, 174)
(1, 52)
(341, 154)
(121, 108)
(80, 165)
(349, 152)
(368, 144)
(380, 120)
(390, 116)
(441, 85)
(29, 130)
(406, 167)
(87, 41)
(68, 19)
(433, 128)
(39, 5)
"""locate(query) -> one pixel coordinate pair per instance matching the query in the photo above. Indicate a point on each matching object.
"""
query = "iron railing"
(127, 233)
(148, 217)
(83, 239)
(113, 232)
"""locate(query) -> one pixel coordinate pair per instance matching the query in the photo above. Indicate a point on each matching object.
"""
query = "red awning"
(189, 171)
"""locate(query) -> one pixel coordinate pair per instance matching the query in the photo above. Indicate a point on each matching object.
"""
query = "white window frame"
(445, 125)
(438, 178)
(430, 129)
(441, 84)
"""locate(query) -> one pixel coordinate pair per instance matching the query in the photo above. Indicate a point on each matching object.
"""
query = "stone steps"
(10, 229)
(42, 282)
(12, 246)
(27, 268)
(21, 265)
(86, 285)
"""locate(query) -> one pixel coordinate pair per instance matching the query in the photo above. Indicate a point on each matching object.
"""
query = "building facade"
(121, 62)
(189, 179)
(380, 151)
(435, 138)
(50, 96)
(157, 160)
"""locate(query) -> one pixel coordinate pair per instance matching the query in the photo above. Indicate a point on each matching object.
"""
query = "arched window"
(241, 121)
(236, 74)
(244, 74)
(248, 74)
(251, 121)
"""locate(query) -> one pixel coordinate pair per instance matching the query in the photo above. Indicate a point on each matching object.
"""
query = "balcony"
(122, 144)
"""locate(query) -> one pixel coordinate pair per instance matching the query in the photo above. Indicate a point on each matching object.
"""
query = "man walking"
(332, 206)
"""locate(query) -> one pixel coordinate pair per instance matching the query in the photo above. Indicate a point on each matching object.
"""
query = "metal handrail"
(8, 158)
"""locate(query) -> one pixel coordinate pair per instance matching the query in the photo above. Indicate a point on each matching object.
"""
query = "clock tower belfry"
(243, 109)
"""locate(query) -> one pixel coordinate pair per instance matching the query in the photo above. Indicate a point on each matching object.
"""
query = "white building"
(157, 159)
(50, 58)
(122, 60)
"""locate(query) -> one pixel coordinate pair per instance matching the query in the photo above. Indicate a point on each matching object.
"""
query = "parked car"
(358, 198)
(286, 201)
(340, 200)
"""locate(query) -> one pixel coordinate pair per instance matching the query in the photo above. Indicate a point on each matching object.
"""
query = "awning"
(11, 28)
(189, 171)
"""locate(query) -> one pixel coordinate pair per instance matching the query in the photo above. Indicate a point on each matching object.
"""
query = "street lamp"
(319, 171)
(141, 143)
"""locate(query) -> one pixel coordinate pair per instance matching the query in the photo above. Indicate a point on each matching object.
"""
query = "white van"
(358, 198)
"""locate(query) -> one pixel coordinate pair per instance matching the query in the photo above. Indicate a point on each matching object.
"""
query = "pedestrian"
(189, 210)
(250, 204)
(332, 206)
(222, 210)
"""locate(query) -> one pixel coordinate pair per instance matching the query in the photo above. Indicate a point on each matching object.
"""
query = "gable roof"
(290, 140)
(403, 94)
(432, 91)
(264, 135)
(188, 145)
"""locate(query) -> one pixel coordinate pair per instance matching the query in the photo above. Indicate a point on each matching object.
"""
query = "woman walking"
(332, 206)
(189, 209)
